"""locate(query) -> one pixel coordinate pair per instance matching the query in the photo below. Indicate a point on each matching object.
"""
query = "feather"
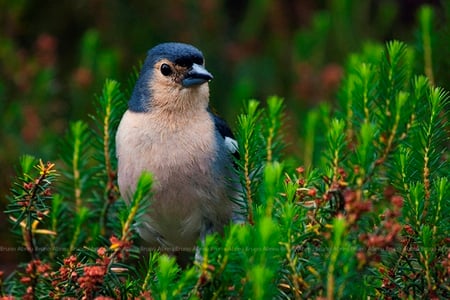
(226, 133)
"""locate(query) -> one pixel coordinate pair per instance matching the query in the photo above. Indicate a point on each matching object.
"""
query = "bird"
(170, 131)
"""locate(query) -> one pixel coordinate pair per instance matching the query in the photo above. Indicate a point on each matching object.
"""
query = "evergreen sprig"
(111, 106)
(259, 140)
(30, 202)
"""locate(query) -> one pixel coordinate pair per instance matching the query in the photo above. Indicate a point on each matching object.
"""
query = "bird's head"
(173, 77)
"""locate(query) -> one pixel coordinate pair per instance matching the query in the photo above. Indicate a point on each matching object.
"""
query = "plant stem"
(110, 173)
(76, 174)
(248, 187)
(269, 144)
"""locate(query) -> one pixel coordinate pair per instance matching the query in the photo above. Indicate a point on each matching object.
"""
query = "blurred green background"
(56, 55)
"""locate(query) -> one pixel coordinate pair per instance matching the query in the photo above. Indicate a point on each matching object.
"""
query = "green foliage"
(260, 143)
(366, 216)
(30, 201)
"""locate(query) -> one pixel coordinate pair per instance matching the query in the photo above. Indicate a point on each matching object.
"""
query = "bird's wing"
(239, 214)
(225, 131)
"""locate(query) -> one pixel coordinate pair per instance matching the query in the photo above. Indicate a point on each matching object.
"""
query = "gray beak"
(196, 75)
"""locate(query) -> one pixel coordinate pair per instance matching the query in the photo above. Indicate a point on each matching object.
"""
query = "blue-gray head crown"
(179, 53)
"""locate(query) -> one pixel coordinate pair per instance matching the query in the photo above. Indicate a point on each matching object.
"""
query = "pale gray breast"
(190, 167)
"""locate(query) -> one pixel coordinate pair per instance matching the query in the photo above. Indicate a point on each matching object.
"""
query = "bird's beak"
(196, 75)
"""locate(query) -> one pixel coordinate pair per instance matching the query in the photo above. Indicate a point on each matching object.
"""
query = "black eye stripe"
(198, 61)
(188, 61)
(183, 62)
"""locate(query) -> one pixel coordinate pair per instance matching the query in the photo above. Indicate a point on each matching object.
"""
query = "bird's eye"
(166, 70)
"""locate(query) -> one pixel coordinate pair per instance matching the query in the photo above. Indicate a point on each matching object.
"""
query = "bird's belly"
(190, 187)
(182, 202)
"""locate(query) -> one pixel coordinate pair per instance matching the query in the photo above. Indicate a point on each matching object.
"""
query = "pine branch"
(28, 208)
(437, 101)
(400, 102)
(248, 140)
(29, 204)
(273, 122)
(336, 144)
(111, 106)
(138, 205)
(75, 153)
